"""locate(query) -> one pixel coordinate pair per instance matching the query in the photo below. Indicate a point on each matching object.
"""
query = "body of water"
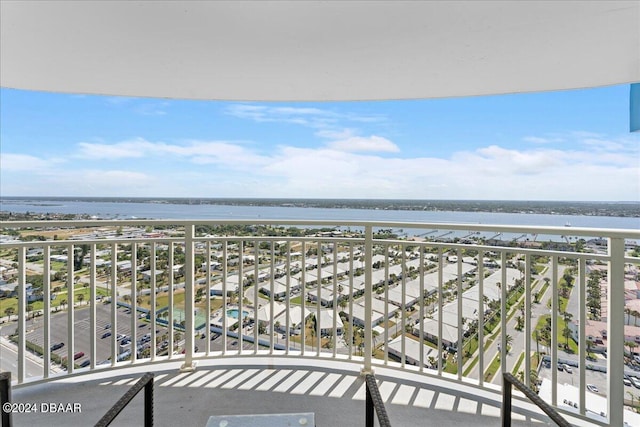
(132, 210)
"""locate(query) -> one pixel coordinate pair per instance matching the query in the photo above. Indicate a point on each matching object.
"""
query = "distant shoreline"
(617, 209)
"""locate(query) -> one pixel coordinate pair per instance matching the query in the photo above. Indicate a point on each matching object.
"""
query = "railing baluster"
(207, 293)
(303, 289)
(335, 299)
(114, 303)
(92, 307)
(351, 292)
(460, 349)
(287, 309)
(189, 291)
(153, 313)
(134, 304)
(272, 279)
(481, 311)
(503, 311)
(241, 297)
(403, 305)
(615, 332)
(171, 324)
(368, 294)
(318, 331)
(386, 303)
(421, 307)
(22, 312)
(46, 284)
(70, 312)
(256, 280)
(440, 305)
(582, 307)
(554, 330)
(225, 301)
(527, 320)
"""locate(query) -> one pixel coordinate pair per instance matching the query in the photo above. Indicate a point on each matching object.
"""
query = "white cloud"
(121, 150)
(353, 167)
(12, 162)
(359, 143)
(305, 116)
(542, 140)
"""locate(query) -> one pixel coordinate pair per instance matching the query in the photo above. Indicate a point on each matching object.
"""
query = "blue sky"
(569, 145)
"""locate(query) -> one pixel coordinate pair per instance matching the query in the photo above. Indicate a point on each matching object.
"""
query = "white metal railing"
(357, 293)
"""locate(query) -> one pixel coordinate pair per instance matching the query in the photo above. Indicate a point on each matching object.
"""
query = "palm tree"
(631, 346)
(432, 362)
(533, 379)
(508, 339)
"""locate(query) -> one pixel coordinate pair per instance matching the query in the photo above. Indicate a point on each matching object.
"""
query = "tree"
(533, 378)
(432, 362)
(9, 311)
(589, 345)
(80, 298)
(508, 339)
(536, 297)
(631, 346)
(566, 333)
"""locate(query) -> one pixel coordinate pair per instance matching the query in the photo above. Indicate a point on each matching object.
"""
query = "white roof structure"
(295, 316)
(264, 312)
(412, 349)
(317, 50)
(326, 320)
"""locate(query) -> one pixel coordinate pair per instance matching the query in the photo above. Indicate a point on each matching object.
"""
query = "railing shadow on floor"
(374, 400)
(145, 382)
(509, 380)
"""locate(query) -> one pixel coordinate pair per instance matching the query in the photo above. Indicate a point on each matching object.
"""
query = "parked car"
(592, 388)
(106, 335)
(85, 363)
(635, 381)
(78, 355)
(57, 346)
(626, 381)
(567, 369)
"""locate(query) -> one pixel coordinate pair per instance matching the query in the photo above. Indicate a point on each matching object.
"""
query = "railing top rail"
(578, 231)
(537, 400)
(376, 399)
(147, 379)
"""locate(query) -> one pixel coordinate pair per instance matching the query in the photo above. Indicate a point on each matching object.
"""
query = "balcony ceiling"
(313, 50)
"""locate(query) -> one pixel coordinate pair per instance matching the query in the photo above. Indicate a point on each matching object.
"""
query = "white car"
(568, 369)
(592, 388)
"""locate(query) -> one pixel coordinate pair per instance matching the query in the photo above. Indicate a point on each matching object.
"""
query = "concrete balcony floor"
(333, 390)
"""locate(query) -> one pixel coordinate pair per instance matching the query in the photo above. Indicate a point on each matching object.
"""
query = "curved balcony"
(437, 311)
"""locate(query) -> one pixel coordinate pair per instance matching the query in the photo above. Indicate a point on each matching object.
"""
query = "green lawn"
(561, 340)
(493, 368)
(516, 367)
(60, 296)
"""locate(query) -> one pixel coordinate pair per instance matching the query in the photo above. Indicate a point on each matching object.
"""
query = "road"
(9, 361)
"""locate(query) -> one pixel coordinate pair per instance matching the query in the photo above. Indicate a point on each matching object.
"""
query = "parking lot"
(104, 333)
(596, 378)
